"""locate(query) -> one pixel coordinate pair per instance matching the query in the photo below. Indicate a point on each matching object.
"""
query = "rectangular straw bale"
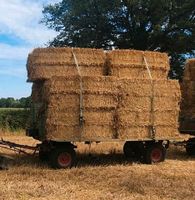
(134, 72)
(61, 132)
(47, 72)
(62, 85)
(167, 88)
(166, 118)
(69, 117)
(133, 57)
(99, 101)
(62, 101)
(98, 133)
(129, 118)
(143, 88)
(133, 132)
(98, 117)
(131, 103)
(166, 132)
(64, 56)
(135, 88)
(98, 84)
(166, 104)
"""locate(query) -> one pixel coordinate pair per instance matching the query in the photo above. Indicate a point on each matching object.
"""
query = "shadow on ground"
(88, 159)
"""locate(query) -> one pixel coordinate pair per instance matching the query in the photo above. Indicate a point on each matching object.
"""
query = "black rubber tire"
(154, 153)
(133, 149)
(190, 149)
(62, 157)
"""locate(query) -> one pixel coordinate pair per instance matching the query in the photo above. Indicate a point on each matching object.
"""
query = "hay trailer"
(89, 95)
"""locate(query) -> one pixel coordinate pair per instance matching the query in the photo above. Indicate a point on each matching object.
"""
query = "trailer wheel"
(133, 149)
(190, 147)
(61, 158)
(155, 153)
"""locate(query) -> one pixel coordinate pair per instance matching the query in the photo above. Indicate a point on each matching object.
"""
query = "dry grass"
(102, 174)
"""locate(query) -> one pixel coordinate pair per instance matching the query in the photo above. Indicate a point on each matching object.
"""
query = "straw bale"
(166, 118)
(167, 88)
(127, 118)
(143, 88)
(143, 132)
(102, 101)
(85, 56)
(98, 133)
(60, 101)
(166, 132)
(133, 132)
(99, 84)
(99, 118)
(131, 103)
(133, 57)
(70, 117)
(166, 104)
(138, 72)
(60, 132)
(47, 72)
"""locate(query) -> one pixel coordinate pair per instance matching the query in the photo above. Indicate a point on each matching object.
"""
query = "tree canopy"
(10, 102)
(163, 25)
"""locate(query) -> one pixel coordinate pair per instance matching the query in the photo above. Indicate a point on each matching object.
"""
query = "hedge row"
(14, 119)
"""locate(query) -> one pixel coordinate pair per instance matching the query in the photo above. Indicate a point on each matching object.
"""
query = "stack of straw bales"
(188, 95)
(124, 105)
(62, 117)
(145, 104)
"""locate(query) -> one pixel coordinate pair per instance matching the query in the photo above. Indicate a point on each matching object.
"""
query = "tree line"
(11, 102)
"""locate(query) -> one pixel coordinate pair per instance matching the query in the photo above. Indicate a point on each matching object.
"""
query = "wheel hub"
(64, 159)
(156, 155)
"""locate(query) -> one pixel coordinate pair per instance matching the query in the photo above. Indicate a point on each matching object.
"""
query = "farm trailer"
(87, 95)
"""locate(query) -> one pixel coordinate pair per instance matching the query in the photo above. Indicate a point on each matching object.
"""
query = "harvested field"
(102, 172)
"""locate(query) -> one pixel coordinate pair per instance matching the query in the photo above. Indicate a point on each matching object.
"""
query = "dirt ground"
(102, 172)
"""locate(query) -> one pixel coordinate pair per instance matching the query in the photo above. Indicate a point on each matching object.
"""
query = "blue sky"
(20, 32)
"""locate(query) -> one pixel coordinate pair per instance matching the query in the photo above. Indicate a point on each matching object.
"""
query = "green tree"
(10, 102)
(163, 25)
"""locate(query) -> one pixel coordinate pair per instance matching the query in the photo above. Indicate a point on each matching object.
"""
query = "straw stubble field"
(101, 173)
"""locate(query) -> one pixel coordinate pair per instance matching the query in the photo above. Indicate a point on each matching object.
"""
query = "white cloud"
(21, 18)
(13, 52)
